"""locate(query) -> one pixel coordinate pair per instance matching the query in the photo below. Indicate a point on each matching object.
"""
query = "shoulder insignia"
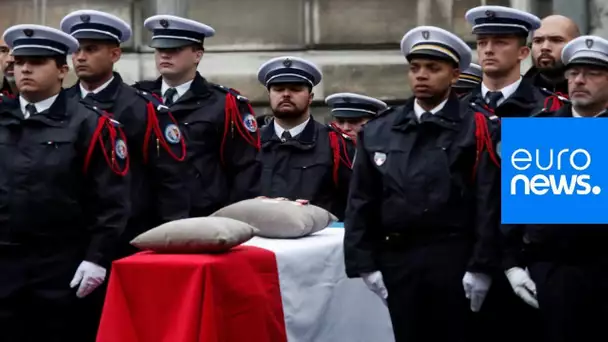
(231, 91)
(111, 142)
(102, 113)
(334, 128)
(154, 99)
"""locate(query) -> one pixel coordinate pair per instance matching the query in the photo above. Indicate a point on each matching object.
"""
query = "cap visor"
(94, 36)
(37, 52)
(167, 43)
(500, 31)
(289, 79)
(430, 54)
(582, 61)
(350, 114)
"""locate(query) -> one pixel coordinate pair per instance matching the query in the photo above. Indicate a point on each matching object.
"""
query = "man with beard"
(469, 79)
(501, 47)
(351, 111)
(157, 194)
(301, 158)
(547, 43)
(218, 124)
(7, 63)
(563, 269)
(423, 210)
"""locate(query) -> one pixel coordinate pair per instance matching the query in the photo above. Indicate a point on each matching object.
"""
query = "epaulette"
(153, 99)
(231, 91)
(382, 113)
(559, 96)
(487, 112)
(101, 113)
(146, 85)
(333, 128)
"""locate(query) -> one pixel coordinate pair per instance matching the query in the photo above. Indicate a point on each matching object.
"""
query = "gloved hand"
(89, 276)
(522, 285)
(476, 286)
(375, 283)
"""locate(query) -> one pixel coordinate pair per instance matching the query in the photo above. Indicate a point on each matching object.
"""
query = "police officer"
(7, 62)
(63, 193)
(158, 194)
(547, 43)
(351, 111)
(218, 124)
(469, 79)
(301, 158)
(501, 47)
(422, 217)
(568, 264)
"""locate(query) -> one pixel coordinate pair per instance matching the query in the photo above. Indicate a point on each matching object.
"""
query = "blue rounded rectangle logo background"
(554, 170)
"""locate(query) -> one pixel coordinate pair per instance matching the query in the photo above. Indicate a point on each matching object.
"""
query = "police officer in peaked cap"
(469, 79)
(218, 124)
(64, 201)
(304, 158)
(422, 220)
(502, 34)
(351, 111)
(562, 269)
(158, 195)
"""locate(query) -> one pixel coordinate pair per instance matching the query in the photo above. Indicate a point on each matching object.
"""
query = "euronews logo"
(554, 172)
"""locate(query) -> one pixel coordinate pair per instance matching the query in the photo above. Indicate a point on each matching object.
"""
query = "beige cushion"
(279, 218)
(195, 235)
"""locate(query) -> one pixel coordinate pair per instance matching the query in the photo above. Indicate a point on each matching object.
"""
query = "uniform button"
(426, 210)
(443, 148)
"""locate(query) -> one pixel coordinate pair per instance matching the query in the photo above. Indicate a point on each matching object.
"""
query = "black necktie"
(426, 117)
(30, 109)
(169, 95)
(285, 136)
(493, 98)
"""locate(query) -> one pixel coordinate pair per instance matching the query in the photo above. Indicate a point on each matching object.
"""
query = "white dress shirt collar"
(84, 92)
(418, 110)
(278, 130)
(506, 91)
(40, 106)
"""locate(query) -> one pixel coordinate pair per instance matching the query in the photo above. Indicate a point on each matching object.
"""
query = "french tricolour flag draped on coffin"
(266, 290)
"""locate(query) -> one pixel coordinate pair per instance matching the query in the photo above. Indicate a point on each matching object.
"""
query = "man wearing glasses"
(566, 276)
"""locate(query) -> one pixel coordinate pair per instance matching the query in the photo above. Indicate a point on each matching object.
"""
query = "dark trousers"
(573, 299)
(504, 317)
(426, 299)
(36, 301)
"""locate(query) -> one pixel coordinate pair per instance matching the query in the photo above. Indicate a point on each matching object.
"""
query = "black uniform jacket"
(539, 81)
(525, 243)
(47, 197)
(158, 193)
(6, 88)
(222, 145)
(527, 100)
(417, 180)
(307, 166)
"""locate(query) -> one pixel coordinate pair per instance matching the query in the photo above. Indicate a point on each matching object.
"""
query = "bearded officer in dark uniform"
(563, 269)
(63, 193)
(301, 158)
(422, 217)
(351, 111)
(469, 79)
(218, 124)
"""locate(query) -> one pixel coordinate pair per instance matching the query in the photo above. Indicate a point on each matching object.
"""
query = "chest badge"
(379, 158)
(172, 134)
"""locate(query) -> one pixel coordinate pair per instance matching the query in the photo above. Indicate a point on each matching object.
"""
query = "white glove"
(375, 283)
(522, 285)
(89, 276)
(476, 286)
